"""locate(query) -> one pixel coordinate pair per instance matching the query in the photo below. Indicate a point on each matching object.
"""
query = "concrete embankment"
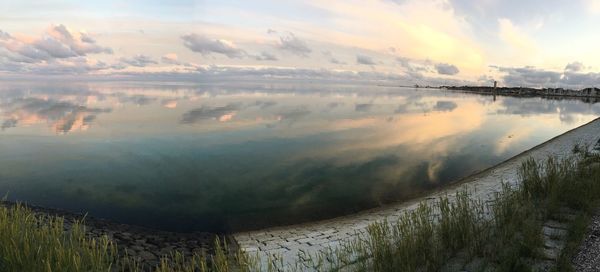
(310, 238)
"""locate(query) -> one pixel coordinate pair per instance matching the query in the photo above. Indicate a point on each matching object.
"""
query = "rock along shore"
(144, 244)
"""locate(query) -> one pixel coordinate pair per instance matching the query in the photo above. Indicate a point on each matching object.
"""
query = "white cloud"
(574, 67)
(170, 58)
(58, 42)
(205, 46)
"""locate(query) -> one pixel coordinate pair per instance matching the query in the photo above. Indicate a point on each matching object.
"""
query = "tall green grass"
(503, 233)
(34, 242)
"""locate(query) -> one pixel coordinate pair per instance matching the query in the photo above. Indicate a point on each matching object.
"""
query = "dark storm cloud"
(205, 46)
(208, 113)
(446, 69)
(294, 45)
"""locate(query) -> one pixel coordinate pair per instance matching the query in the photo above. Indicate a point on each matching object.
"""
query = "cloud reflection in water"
(233, 157)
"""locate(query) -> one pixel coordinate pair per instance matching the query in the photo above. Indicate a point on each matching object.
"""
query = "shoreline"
(548, 93)
(313, 237)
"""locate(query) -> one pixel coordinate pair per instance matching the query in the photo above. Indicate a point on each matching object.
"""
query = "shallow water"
(225, 157)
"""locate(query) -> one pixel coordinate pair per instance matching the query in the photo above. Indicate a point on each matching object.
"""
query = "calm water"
(241, 156)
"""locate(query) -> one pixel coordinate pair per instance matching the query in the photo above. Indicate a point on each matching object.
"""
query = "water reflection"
(219, 157)
(63, 116)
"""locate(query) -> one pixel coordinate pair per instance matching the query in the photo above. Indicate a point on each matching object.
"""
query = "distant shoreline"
(591, 92)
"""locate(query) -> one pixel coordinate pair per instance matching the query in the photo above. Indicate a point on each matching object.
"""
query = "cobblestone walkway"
(288, 242)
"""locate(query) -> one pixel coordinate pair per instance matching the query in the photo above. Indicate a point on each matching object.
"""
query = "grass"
(501, 234)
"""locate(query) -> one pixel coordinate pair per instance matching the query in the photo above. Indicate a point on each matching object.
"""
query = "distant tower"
(495, 84)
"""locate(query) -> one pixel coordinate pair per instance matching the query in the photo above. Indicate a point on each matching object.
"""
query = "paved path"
(288, 242)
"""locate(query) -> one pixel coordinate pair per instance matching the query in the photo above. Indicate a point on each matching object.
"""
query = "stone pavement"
(288, 242)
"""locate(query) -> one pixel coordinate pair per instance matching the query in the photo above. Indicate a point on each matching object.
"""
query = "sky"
(539, 43)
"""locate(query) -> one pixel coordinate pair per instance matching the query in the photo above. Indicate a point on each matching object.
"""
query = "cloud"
(4, 35)
(336, 61)
(266, 56)
(215, 73)
(54, 48)
(57, 51)
(82, 43)
(574, 67)
(76, 66)
(56, 43)
(205, 46)
(170, 58)
(138, 61)
(414, 68)
(446, 69)
(366, 60)
(445, 106)
(363, 107)
(224, 113)
(529, 76)
(294, 45)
